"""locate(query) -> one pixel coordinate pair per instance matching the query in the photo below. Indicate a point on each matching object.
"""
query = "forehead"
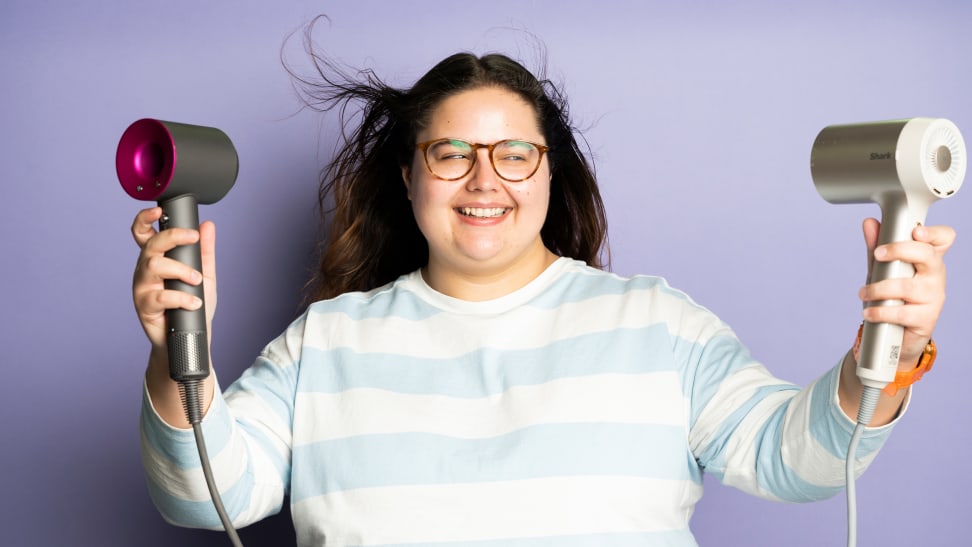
(484, 114)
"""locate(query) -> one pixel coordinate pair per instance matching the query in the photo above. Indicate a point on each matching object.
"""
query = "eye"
(512, 157)
(514, 151)
(450, 149)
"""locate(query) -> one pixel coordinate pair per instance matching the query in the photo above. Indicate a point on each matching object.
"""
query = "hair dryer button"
(164, 222)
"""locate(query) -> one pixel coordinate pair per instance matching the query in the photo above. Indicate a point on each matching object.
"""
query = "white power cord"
(869, 401)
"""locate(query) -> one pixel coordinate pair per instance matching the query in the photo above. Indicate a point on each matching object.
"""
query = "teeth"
(482, 212)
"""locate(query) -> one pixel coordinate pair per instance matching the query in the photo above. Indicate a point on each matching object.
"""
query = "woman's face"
(481, 227)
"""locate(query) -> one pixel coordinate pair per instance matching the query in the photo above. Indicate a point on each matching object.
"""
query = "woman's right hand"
(150, 296)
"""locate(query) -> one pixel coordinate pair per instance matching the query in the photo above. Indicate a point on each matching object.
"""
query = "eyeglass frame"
(424, 147)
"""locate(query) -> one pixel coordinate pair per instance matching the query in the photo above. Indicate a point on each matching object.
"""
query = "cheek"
(428, 196)
(536, 194)
(428, 201)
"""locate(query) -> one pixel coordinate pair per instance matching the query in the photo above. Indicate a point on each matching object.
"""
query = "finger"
(911, 290)
(939, 237)
(159, 267)
(154, 303)
(871, 227)
(143, 227)
(207, 248)
(927, 241)
(925, 258)
(169, 239)
(919, 319)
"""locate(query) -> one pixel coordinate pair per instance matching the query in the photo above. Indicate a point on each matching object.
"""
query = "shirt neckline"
(417, 284)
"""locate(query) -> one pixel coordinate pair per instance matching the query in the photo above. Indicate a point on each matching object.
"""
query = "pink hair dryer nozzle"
(179, 166)
(158, 160)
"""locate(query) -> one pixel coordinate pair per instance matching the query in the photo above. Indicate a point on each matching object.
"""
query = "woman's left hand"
(923, 295)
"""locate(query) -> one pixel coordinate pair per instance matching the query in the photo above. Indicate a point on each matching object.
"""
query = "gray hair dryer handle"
(186, 335)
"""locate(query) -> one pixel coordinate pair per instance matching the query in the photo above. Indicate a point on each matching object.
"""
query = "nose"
(482, 177)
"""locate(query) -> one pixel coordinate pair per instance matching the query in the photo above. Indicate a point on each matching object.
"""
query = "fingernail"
(880, 252)
(196, 302)
(196, 277)
(921, 232)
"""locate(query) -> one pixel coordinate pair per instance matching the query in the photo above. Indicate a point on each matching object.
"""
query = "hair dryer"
(903, 166)
(179, 166)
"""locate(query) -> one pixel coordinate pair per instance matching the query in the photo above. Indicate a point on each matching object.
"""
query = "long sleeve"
(768, 437)
(247, 431)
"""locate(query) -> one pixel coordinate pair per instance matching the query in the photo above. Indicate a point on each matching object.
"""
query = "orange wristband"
(904, 379)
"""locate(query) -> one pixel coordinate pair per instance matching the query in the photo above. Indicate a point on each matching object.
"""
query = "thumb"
(207, 249)
(870, 229)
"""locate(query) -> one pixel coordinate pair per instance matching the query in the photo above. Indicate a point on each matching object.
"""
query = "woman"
(468, 373)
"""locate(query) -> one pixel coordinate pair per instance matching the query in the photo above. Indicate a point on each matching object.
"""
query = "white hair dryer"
(903, 166)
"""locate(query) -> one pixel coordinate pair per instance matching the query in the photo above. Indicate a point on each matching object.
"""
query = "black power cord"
(191, 392)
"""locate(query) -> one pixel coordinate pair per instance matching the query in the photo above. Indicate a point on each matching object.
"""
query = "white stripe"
(496, 510)
(228, 467)
(284, 350)
(650, 398)
(742, 447)
(732, 393)
(251, 407)
(517, 329)
(811, 461)
(188, 484)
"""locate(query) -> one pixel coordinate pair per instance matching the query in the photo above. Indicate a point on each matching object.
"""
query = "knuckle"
(154, 263)
(158, 298)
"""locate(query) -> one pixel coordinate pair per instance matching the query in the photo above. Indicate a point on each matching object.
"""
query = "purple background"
(700, 118)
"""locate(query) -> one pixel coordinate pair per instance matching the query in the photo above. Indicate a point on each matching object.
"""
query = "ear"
(407, 179)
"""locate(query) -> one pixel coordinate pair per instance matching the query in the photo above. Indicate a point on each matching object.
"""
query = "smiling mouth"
(485, 212)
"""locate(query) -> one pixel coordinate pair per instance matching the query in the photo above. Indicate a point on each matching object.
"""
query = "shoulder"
(392, 299)
(648, 297)
(592, 282)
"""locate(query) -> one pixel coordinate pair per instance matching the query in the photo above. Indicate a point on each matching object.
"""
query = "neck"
(478, 285)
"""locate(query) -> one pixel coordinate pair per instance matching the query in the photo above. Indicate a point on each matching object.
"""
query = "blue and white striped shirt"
(581, 409)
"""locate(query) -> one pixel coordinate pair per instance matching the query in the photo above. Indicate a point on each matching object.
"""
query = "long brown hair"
(370, 233)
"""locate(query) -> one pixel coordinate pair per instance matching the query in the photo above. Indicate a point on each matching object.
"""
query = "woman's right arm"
(152, 299)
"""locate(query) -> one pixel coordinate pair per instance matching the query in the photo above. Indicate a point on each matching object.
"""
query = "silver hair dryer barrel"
(903, 166)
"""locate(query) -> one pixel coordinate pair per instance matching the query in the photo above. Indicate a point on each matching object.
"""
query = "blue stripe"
(179, 445)
(382, 303)
(713, 457)
(578, 286)
(202, 514)
(281, 462)
(488, 371)
(650, 451)
(274, 384)
(674, 538)
(776, 477)
(831, 428)
(706, 366)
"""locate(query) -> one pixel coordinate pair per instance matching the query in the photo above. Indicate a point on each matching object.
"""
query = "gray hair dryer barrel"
(903, 166)
(179, 166)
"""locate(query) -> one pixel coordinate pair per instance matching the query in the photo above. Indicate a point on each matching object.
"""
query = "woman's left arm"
(923, 296)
